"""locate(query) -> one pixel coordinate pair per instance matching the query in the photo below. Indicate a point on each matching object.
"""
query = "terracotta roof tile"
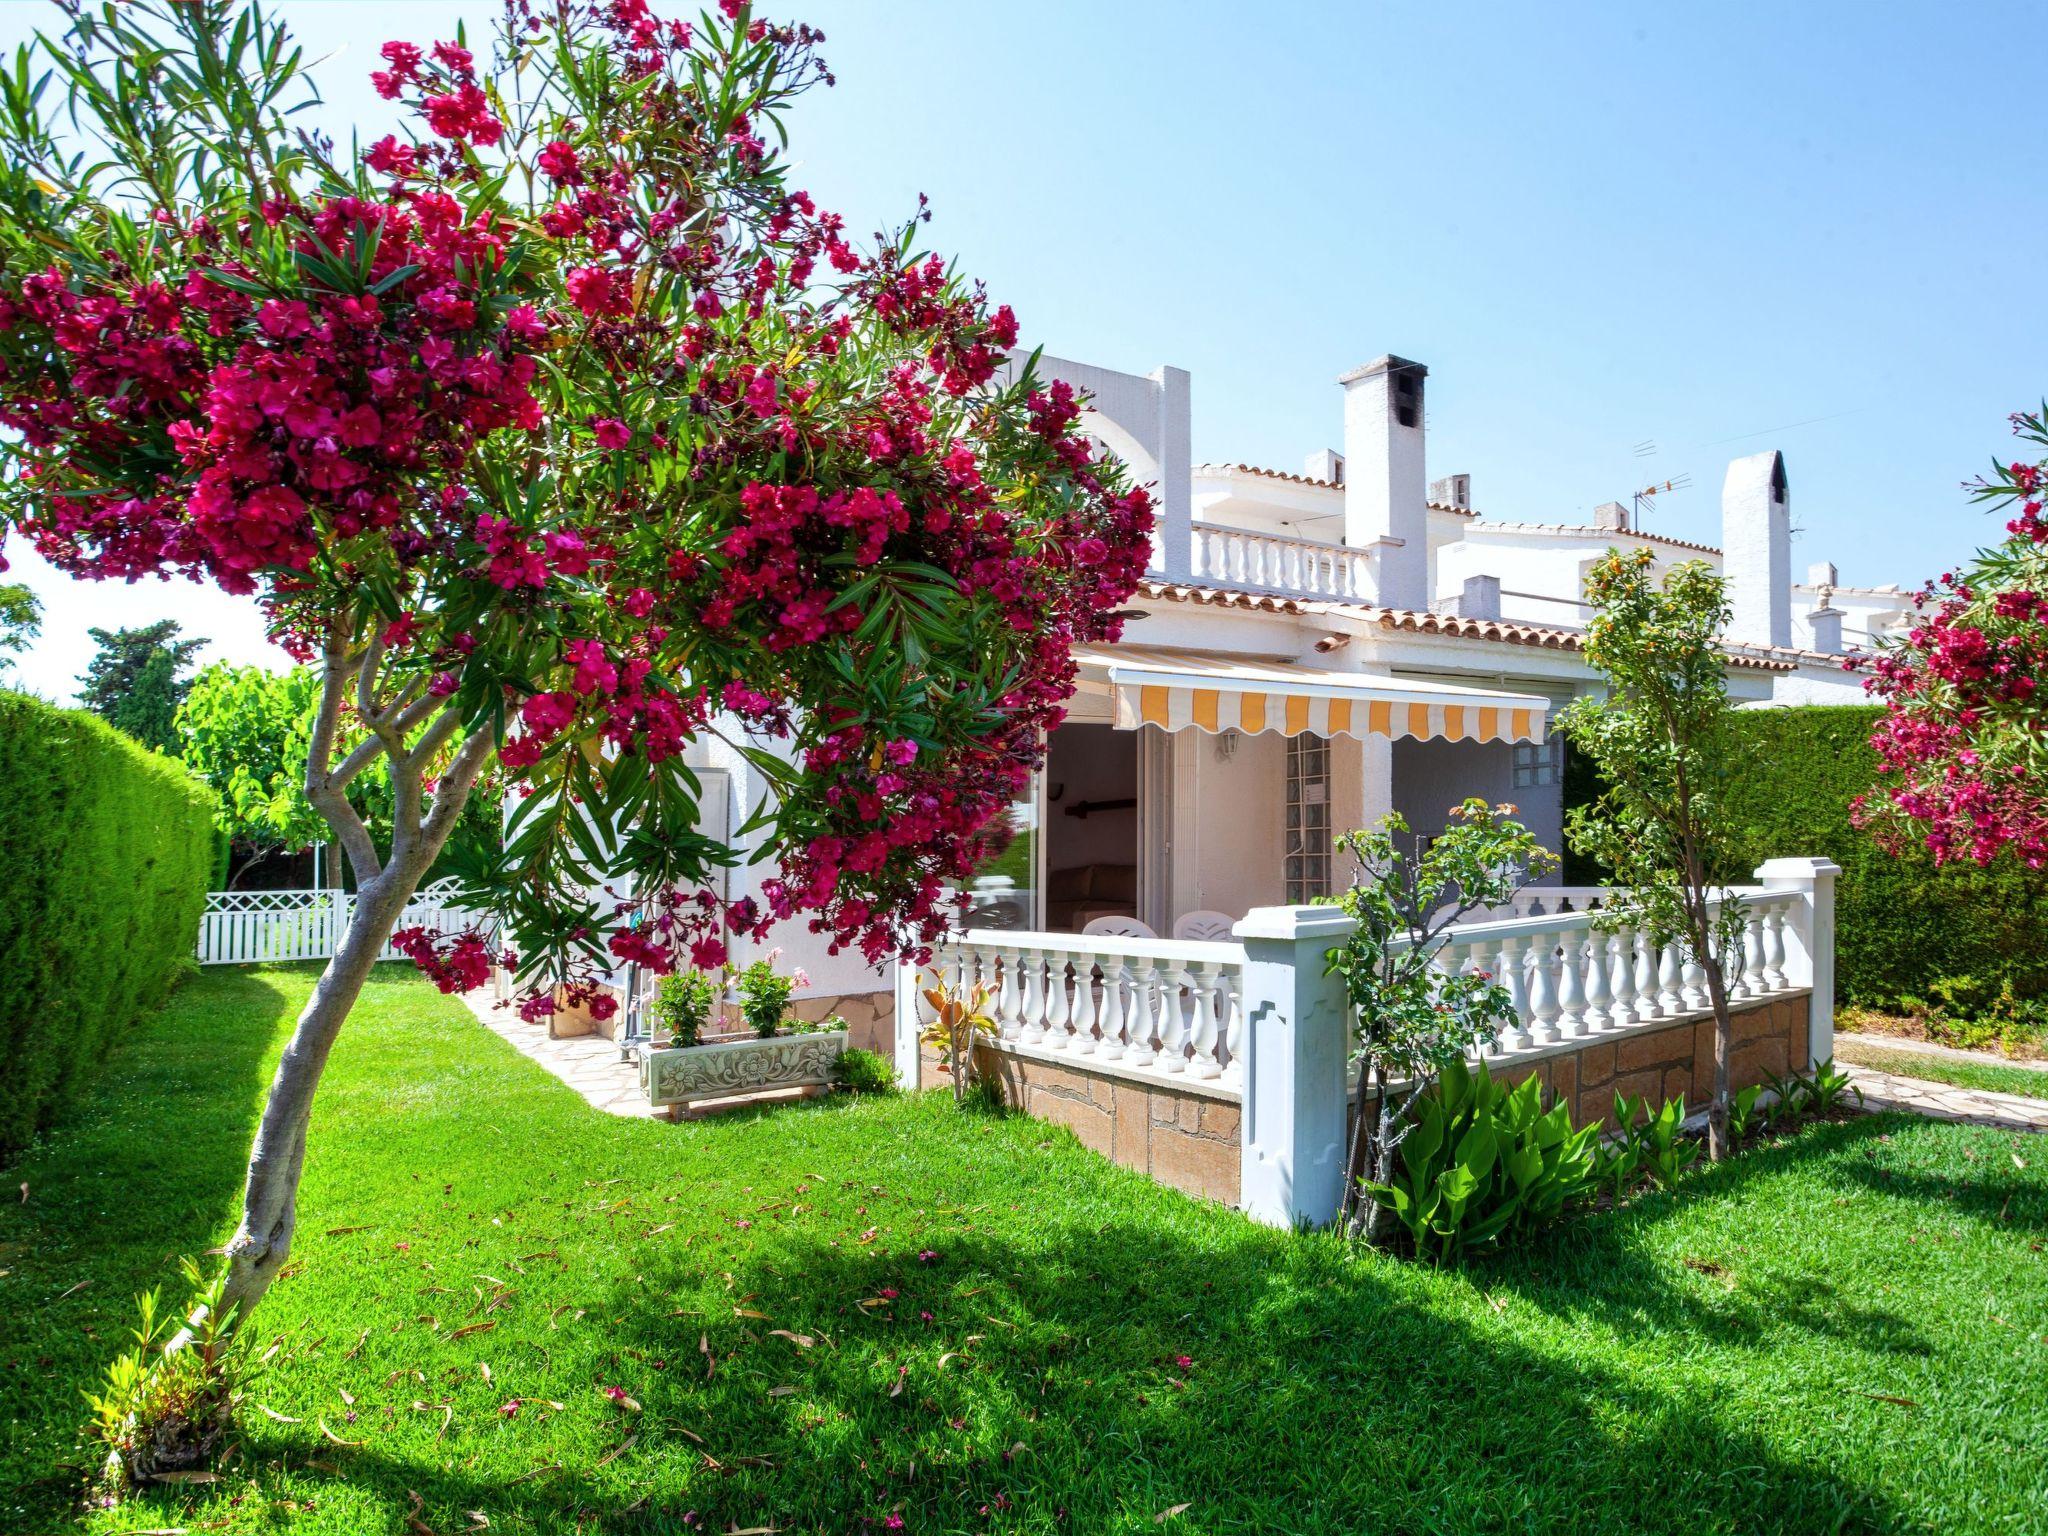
(1270, 474)
(1600, 533)
(1218, 597)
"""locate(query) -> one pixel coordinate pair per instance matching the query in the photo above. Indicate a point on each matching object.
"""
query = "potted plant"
(775, 1052)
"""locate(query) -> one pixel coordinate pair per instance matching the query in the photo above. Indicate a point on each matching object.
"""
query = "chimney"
(1452, 491)
(1822, 574)
(1480, 598)
(1325, 464)
(1612, 516)
(1826, 619)
(1385, 487)
(1756, 549)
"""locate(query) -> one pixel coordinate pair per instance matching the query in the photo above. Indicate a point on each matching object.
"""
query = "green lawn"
(842, 1312)
(2032, 1082)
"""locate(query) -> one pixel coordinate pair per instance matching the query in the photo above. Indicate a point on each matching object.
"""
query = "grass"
(839, 1313)
(2030, 1082)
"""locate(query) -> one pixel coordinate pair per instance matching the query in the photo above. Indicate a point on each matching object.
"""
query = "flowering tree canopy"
(1963, 746)
(557, 429)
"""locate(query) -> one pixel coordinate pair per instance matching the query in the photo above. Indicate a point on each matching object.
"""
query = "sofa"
(1076, 897)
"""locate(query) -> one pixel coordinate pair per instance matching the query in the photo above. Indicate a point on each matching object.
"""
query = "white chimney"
(1385, 484)
(1325, 464)
(1826, 624)
(1479, 598)
(1756, 547)
(1452, 491)
(1612, 516)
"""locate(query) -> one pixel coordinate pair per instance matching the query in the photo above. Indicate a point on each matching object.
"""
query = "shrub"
(163, 1414)
(866, 1072)
(107, 848)
(1908, 935)
(764, 996)
(683, 1003)
(1484, 1159)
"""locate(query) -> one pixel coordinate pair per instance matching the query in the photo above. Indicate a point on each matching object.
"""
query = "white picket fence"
(244, 927)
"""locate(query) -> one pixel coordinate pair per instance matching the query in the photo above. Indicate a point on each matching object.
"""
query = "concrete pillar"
(909, 1023)
(1176, 474)
(1756, 549)
(1810, 941)
(1297, 1040)
(1385, 476)
(1826, 625)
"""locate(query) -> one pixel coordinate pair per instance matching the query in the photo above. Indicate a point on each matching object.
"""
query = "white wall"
(1430, 777)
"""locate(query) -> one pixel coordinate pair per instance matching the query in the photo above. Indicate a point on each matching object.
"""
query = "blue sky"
(1717, 228)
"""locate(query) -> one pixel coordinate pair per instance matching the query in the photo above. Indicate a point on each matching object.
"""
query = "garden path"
(1939, 1101)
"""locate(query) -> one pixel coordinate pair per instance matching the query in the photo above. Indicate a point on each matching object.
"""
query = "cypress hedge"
(1905, 930)
(105, 853)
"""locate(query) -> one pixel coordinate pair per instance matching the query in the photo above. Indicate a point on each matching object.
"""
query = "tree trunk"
(262, 1242)
(1354, 1161)
(1717, 1107)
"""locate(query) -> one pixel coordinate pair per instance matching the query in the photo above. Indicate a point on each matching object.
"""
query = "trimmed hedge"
(105, 853)
(1901, 924)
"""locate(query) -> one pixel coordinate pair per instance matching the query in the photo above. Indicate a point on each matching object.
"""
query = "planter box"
(724, 1068)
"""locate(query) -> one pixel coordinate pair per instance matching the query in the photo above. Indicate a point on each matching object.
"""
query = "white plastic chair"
(1204, 927)
(1118, 927)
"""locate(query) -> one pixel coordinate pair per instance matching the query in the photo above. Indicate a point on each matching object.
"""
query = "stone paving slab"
(1939, 1101)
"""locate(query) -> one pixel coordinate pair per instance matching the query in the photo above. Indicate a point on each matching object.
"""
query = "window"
(1539, 763)
(1308, 818)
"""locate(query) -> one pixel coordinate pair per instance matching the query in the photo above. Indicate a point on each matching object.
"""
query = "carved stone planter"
(725, 1068)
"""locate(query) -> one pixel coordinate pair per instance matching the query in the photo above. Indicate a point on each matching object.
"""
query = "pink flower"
(548, 713)
(558, 162)
(611, 433)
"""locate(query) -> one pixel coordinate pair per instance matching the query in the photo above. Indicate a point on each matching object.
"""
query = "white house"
(1312, 650)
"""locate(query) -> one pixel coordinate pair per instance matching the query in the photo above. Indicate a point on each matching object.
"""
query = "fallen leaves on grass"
(1167, 1514)
(282, 1418)
(336, 1439)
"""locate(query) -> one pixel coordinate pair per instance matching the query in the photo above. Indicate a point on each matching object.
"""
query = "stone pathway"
(2006, 1111)
(588, 1063)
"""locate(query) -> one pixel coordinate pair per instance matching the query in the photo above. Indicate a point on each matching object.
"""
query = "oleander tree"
(1662, 741)
(555, 430)
(1962, 746)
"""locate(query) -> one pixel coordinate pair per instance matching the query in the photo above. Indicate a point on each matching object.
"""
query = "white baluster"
(1621, 979)
(1115, 977)
(1695, 983)
(1173, 1033)
(1510, 963)
(1648, 1006)
(1034, 996)
(1543, 1007)
(1735, 965)
(1059, 1005)
(1008, 1025)
(1142, 1017)
(1571, 987)
(1232, 1002)
(1774, 949)
(1205, 1063)
(1598, 997)
(1084, 1003)
(1670, 999)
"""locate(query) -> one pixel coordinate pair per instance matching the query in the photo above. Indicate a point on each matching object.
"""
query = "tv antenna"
(1646, 498)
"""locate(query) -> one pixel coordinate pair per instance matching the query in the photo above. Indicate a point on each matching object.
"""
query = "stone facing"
(1190, 1141)
(1187, 1141)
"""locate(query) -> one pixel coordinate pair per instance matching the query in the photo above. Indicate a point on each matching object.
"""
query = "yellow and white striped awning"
(1179, 691)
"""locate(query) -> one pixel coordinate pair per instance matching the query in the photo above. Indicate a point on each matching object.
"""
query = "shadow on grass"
(148, 1168)
(1097, 1377)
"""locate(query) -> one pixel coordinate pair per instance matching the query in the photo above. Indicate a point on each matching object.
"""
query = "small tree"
(1660, 739)
(21, 620)
(1963, 748)
(557, 428)
(1412, 1017)
(137, 681)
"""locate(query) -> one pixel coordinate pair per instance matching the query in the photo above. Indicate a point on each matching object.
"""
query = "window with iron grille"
(1539, 763)
(1308, 818)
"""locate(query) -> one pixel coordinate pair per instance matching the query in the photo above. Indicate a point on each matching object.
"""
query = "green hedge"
(1902, 925)
(105, 853)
